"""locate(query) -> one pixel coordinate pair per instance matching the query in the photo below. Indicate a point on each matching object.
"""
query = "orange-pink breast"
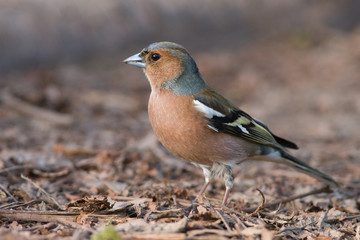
(184, 132)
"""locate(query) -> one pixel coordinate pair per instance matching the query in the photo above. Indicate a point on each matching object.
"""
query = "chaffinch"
(196, 123)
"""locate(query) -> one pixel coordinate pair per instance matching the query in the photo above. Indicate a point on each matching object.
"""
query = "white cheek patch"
(209, 112)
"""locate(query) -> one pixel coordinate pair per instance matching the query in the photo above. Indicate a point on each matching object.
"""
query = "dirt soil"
(78, 158)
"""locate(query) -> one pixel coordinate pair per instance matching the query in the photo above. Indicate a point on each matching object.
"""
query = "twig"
(184, 202)
(20, 204)
(74, 225)
(261, 205)
(65, 218)
(235, 212)
(7, 192)
(194, 233)
(239, 225)
(44, 226)
(134, 198)
(49, 198)
(154, 236)
(50, 216)
(275, 212)
(222, 219)
(174, 199)
(289, 199)
(38, 216)
(16, 168)
(340, 219)
(55, 174)
(71, 151)
(34, 111)
(155, 215)
(219, 214)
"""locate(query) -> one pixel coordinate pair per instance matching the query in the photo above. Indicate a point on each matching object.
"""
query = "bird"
(196, 123)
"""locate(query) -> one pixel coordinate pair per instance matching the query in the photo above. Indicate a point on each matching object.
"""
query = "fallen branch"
(65, 218)
(50, 200)
(34, 111)
(52, 216)
(38, 216)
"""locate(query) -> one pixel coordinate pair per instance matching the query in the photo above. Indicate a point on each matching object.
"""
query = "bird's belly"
(184, 132)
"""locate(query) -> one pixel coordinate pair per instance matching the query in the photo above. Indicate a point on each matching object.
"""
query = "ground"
(77, 152)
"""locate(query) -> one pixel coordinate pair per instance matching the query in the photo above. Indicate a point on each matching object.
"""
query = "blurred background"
(293, 64)
(73, 117)
(40, 33)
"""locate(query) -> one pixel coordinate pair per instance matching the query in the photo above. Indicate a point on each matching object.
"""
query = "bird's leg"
(208, 176)
(226, 195)
(229, 182)
(202, 190)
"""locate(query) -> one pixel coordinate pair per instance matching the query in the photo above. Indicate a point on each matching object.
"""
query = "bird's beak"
(136, 60)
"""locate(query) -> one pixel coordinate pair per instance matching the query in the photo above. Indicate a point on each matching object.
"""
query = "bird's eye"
(155, 56)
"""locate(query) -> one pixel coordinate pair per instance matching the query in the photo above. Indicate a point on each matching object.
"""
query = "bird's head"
(169, 66)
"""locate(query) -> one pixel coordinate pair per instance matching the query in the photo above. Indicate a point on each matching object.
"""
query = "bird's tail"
(305, 168)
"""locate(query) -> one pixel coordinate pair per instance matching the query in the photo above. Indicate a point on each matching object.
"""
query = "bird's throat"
(187, 83)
